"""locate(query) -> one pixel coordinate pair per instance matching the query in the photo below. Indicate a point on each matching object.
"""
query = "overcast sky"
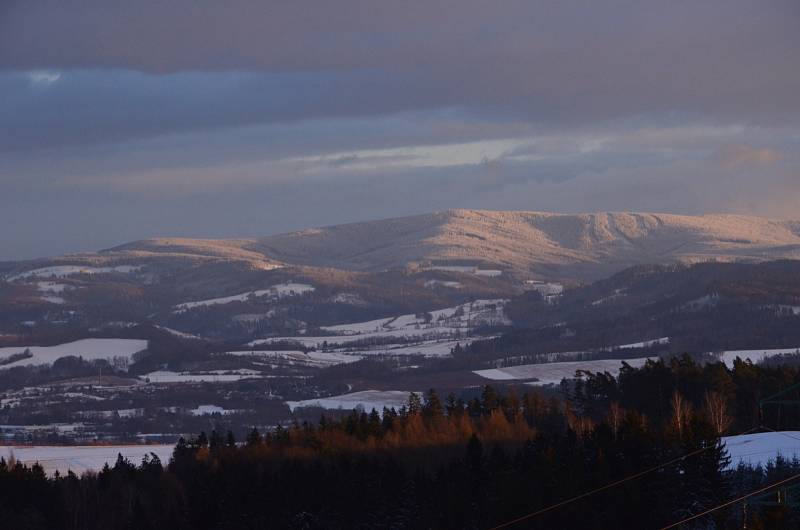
(122, 120)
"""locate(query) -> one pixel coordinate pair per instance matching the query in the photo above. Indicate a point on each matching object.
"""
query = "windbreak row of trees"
(446, 463)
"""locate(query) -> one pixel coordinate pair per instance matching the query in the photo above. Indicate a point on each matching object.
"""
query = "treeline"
(448, 463)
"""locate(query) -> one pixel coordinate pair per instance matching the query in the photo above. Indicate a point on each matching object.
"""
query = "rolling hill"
(543, 245)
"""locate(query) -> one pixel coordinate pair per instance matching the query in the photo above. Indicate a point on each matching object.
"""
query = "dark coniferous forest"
(441, 462)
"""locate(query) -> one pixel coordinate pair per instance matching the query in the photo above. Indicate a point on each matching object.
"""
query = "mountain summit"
(547, 245)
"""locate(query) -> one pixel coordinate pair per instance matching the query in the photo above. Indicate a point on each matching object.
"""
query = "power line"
(734, 501)
(607, 486)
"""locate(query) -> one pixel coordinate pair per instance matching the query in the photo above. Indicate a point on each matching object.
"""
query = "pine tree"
(254, 438)
(414, 403)
(433, 405)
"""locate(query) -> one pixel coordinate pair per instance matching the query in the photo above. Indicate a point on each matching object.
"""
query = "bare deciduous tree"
(717, 410)
(615, 415)
(681, 413)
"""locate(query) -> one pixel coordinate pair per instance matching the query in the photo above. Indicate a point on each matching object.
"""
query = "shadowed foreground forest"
(446, 463)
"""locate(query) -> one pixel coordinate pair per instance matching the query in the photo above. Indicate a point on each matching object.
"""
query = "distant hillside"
(545, 245)
(701, 308)
(586, 246)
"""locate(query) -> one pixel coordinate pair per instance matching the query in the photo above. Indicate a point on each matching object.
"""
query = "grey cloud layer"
(553, 61)
(241, 118)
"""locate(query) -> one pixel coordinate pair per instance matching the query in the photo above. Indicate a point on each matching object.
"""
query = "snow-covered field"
(435, 336)
(553, 373)
(366, 399)
(208, 410)
(81, 458)
(177, 333)
(164, 376)
(443, 283)
(643, 344)
(756, 356)
(278, 291)
(62, 271)
(760, 448)
(51, 290)
(89, 349)
(313, 358)
(461, 317)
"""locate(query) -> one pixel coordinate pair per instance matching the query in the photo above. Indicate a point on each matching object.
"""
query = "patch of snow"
(453, 268)
(436, 283)
(165, 376)
(82, 458)
(464, 316)
(54, 299)
(292, 289)
(756, 356)
(761, 448)
(176, 333)
(553, 373)
(52, 287)
(89, 349)
(544, 288)
(366, 400)
(434, 334)
(312, 358)
(643, 344)
(208, 410)
(62, 271)
(277, 291)
(617, 293)
(347, 298)
(791, 309)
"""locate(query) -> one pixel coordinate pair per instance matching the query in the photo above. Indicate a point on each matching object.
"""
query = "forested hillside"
(445, 463)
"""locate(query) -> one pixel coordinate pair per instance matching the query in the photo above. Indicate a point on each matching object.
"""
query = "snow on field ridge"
(82, 458)
(89, 349)
(462, 316)
(278, 291)
(366, 400)
(62, 271)
(761, 448)
(756, 356)
(318, 359)
(553, 373)
(166, 376)
(433, 334)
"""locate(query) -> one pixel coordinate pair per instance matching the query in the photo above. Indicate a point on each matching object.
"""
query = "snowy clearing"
(164, 376)
(761, 448)
(207, 410)
(176, 333)
(52, 287)
(366, 399)
(643, 344)
(278, 291)
(312, 358)
(461, 317)
(436, 283)
(81, 458)
(553, 373)
(62, 271)
(756, 356)
(434, 334)
(89, 349)
(51, 290)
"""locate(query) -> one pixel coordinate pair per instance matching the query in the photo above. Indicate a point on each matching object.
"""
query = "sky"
(125, 120)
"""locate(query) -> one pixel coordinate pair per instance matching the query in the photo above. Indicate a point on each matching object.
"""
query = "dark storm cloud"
(552, 61)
